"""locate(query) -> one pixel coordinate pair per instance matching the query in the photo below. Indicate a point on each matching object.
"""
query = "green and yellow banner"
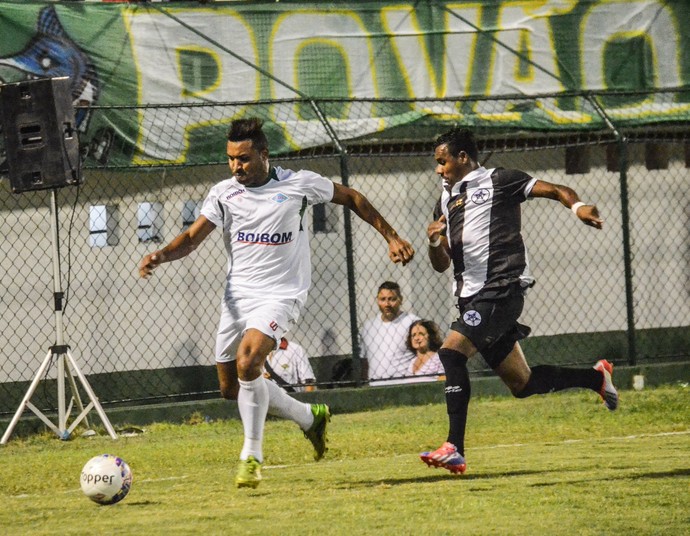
(170, 76)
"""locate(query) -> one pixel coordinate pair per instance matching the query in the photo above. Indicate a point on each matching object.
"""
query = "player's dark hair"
(390, 285)
(249, 129)
(459, 139)
(435, 335)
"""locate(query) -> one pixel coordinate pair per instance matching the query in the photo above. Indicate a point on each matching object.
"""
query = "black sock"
(547, 379)
(457, 395)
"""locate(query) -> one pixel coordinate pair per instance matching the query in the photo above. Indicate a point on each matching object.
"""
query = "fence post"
(625, 223)
(350, 262)
(627, 251)
(349, 243)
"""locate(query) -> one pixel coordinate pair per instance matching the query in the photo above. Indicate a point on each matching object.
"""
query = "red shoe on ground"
(447, 457)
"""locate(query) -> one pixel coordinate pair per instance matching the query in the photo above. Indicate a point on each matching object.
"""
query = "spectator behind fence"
(288, 366)
(385, 356)
(424, 339)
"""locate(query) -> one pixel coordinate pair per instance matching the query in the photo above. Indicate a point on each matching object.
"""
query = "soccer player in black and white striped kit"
(476, 229)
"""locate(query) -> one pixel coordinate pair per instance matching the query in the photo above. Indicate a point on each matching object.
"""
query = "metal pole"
(349, 243)
(60, 349)
(350, 263)
(59, 326)
(627, 250)
(57, 282)
(625, 223)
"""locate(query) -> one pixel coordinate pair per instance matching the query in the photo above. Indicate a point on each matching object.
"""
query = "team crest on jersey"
(472, 318)
(480, 196)
(279, 198)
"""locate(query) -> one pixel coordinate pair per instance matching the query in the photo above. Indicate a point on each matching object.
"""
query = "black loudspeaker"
(40, 134)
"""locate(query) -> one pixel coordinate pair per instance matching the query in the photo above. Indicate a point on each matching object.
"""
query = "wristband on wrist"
(436, 243)
(576, 206)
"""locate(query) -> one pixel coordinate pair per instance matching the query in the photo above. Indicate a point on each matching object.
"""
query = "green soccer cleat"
(248, 473)
(317, 433)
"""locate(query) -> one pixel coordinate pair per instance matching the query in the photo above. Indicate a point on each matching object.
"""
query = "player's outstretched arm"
(399, 250)
(180, 246)
(588, 214)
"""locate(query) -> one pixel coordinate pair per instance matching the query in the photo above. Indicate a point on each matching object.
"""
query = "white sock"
(252, 402)
(282, 405)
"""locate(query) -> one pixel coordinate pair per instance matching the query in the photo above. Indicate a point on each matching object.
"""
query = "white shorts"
(273, 318)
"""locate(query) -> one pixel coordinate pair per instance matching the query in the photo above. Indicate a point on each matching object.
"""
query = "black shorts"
(489, 319)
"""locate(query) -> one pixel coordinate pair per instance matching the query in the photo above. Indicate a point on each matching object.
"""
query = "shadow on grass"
(440, 476)
(140, 503)
(485, 477)
(627, 476)
(666, 474)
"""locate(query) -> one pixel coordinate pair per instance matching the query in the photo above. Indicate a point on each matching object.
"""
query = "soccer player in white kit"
(260, 210)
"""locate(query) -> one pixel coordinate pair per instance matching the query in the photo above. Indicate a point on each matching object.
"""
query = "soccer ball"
(106, 479)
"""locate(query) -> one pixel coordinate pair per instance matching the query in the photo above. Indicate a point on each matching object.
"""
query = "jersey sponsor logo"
(481, 196)
(235, 193)
(269, 239)
(472, 318)
(279, 198)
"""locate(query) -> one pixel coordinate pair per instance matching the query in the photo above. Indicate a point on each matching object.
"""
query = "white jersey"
(264, 233)
(384, 347)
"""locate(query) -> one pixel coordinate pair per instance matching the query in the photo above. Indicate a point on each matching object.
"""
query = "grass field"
(558, 464)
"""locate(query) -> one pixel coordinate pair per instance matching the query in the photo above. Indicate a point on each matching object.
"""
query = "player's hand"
(400, 250)
(589, 215)
(148, 264)
(433, 232)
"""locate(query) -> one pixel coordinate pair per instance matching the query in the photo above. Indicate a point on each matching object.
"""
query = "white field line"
(584, 440)
(164, 479)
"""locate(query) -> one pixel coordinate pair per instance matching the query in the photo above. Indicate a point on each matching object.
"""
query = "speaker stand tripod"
(66, 364)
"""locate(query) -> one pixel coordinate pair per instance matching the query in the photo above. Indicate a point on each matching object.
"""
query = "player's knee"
(248, 366)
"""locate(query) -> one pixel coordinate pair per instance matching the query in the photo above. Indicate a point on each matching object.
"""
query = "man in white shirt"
(288, 366)
(385, 356)
(260, 211)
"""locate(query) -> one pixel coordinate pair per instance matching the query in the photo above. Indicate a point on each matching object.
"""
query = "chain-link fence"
(621, 293)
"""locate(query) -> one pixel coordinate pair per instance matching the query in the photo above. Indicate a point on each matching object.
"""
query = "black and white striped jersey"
(483, 224)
